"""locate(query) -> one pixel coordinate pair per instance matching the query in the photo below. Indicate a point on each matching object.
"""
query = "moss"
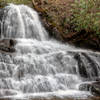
(3, 3)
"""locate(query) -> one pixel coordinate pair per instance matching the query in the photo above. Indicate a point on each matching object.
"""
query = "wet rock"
(5, 92)
(85, 86)
(7, 45)
(81, 66)
(8, 42)
(87, 67)
(93, 87)
(1, 13)
(1, 16)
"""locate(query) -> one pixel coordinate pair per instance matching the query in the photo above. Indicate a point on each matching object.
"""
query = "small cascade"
(42, 65)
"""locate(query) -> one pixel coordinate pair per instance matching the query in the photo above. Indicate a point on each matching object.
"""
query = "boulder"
(88, 70)
(84, 86)
(93, 87)
(7, 45)
(8, 42)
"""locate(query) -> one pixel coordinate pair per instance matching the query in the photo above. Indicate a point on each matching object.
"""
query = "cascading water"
(19, 21)
(41, 65)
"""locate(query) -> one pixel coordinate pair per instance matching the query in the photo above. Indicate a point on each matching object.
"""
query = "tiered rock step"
(35, 66)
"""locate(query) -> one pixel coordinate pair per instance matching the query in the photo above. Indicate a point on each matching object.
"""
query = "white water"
(41, 66)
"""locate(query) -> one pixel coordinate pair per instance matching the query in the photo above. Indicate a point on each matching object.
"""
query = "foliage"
(16, 1)
(54, 13)
(86, 15)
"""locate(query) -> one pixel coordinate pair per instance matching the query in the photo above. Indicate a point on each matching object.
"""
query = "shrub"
(86, 15)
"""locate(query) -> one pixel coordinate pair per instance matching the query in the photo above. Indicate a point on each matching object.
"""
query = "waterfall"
(21, 20)
(41, 64)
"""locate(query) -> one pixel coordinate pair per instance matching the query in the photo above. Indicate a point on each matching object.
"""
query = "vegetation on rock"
(85, 22)
(86, 16)
(54, 14)
(75, 21)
